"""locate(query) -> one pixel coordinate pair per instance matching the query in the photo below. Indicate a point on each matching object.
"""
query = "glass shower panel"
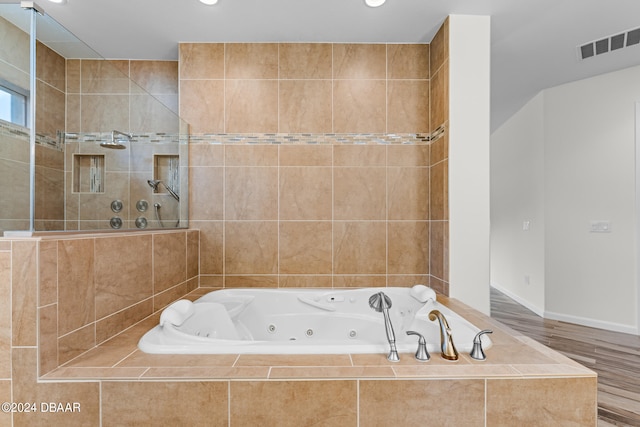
(14, 133)
(85, 106)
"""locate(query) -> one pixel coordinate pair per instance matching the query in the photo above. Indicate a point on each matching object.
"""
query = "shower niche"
(88, 173)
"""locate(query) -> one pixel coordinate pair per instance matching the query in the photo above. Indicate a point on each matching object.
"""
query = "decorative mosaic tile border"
(231, 138)
(313, 138)
(22, 133)
(150, 137)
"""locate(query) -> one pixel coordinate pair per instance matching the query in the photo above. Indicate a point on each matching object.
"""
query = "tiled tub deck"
(520, 383)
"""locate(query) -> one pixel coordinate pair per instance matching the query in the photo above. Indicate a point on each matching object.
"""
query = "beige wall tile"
(305, 60)
(408, 250)
(251, 281)
(211, 245)
(386, 403)
(440, 97)
(169, 260)
(155, 113)
(439, 149)
(75, 343)
(305, 106)
(408, 193)
(303, 281)
(130, 282)
(360, 193)
(251, 193)
(359, 247)
(251, 106)
(206, 155)
(99, 76)
(76, 288)
(364, 281)
(193, 253)
(155, 77)
(439, 47)
(163, 299)
(24, 277)
(328, 403)
(359, 106)
(408, 61)
(165, 403)
(48, 338)
(306, 155)
(5, 395)
(48, 270)
(408, 155)
(305, 247)
(359, 155)
(73, 76)
(109, 326)
(251, 60)
(566, 402)
(408, 106)
(201, 60)
(359, 61)
(202, 105)
(5, 315)
(103, 113)
(251, 247)
(27, 389)
(439, 249)
(305, 193)
(439, 194)
(251, 155)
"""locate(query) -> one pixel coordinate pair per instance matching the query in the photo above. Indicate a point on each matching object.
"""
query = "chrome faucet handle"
(477, 352)
(421, 354)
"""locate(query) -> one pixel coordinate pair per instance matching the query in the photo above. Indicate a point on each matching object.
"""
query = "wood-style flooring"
(613, 355)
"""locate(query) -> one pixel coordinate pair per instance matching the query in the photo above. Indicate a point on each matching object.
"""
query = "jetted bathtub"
(302, 321)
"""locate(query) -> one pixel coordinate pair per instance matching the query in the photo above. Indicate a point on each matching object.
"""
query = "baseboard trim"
(537, 310)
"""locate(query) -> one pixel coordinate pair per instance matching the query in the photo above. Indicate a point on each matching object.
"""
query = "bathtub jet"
(301, 321)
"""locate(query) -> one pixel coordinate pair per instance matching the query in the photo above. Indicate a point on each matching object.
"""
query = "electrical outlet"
(603, 226)
(527, 279)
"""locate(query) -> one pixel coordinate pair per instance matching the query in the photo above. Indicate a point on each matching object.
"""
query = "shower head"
(117, 143)
(154, 183)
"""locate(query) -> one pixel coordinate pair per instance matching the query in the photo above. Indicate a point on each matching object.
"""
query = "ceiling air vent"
(609, 44)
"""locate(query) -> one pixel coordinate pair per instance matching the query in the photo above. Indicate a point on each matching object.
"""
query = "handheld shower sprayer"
(154, 183)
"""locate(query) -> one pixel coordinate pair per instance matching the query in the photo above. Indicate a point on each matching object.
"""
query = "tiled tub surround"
(522, 382)
(348, 210)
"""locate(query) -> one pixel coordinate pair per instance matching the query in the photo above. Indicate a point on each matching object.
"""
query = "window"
(14, 102)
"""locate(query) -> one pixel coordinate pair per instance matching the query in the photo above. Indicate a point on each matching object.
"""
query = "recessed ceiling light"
(374, 3)
(209, 2)
(58, 1)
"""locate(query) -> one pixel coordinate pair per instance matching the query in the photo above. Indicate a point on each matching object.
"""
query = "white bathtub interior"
(302, 321)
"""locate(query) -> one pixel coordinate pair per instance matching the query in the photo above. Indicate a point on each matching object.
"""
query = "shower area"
(86, 143)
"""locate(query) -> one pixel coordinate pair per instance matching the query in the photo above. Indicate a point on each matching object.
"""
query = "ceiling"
(533, 44)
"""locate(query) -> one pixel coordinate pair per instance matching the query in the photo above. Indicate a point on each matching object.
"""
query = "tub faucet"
(382, 303)
(449, 351)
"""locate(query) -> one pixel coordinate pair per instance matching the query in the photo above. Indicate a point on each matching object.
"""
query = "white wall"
(588, 167)
(517, 196)
(469, 124)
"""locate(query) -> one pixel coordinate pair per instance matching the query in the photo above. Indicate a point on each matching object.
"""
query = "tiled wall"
(304, 87)
(329, 214)
(92, 288)
(439, 161)
(106, 95)
(311, 215)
